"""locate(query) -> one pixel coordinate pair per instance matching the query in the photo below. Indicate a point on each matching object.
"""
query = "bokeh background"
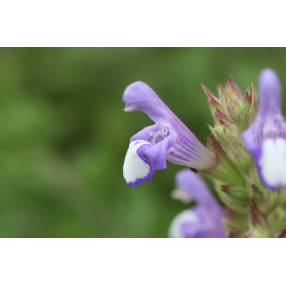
(63, 134)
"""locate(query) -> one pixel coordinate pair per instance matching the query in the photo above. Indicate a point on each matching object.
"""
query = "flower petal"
(269, 92)
(143, 158)
(140, 96)
(157, 153)
(191, 186)
(136, 169)
(272, 162)
(146, 133)
(195, 223)
(183, 219)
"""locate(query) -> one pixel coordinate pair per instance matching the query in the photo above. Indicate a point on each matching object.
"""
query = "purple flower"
(265, 139)
(206, 218)
(168, 139)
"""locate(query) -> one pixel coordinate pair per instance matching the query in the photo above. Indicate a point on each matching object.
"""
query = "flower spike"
(265, 139)
(168, 139)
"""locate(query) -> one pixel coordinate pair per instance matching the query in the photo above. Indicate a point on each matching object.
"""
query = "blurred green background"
(63, 134)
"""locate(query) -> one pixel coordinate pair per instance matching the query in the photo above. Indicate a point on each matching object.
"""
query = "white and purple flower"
(168, 139)
(265, 139)
(205, 219)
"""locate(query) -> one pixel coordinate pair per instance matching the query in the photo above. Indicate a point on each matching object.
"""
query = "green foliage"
(63, 135)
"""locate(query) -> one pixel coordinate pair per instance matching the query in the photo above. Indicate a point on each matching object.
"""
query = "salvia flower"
(206, 218)
(266, 137)
(168, 139)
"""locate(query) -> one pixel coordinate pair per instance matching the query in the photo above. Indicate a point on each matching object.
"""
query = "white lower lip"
(272, 162)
